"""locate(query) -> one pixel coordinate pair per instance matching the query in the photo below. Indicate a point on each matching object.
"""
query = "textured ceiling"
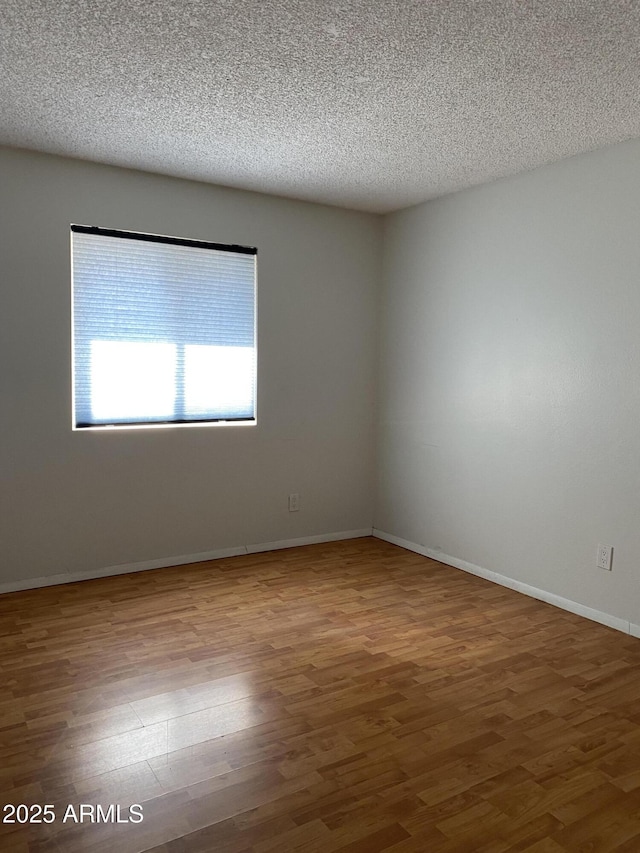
(370, 104)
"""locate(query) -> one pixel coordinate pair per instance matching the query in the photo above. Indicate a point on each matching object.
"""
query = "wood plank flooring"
(349, 697)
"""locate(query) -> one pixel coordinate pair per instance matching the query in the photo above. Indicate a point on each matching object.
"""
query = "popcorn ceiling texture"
(369, 104)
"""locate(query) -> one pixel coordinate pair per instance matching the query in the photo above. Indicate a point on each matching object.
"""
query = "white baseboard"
(532, 591)
(309, 540)
(180, 560)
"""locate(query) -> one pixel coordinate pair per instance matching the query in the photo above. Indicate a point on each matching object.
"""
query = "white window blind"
(164, 329)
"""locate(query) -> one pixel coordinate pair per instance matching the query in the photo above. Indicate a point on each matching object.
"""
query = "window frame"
(149, 237)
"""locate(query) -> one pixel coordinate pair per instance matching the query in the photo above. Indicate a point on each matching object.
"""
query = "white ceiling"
(370, 104)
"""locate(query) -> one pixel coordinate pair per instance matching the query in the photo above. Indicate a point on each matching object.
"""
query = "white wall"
(509, 416)
(509, 432)
(83, 501)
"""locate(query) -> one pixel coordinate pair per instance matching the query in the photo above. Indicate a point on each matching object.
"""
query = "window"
(164, 330)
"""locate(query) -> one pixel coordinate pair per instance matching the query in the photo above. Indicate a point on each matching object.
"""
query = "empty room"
(320, 445)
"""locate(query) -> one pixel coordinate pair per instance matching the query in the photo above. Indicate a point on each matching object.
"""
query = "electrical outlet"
(604, 557)
(294, 502)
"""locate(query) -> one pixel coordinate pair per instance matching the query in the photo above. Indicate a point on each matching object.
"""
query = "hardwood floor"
(348, 697)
